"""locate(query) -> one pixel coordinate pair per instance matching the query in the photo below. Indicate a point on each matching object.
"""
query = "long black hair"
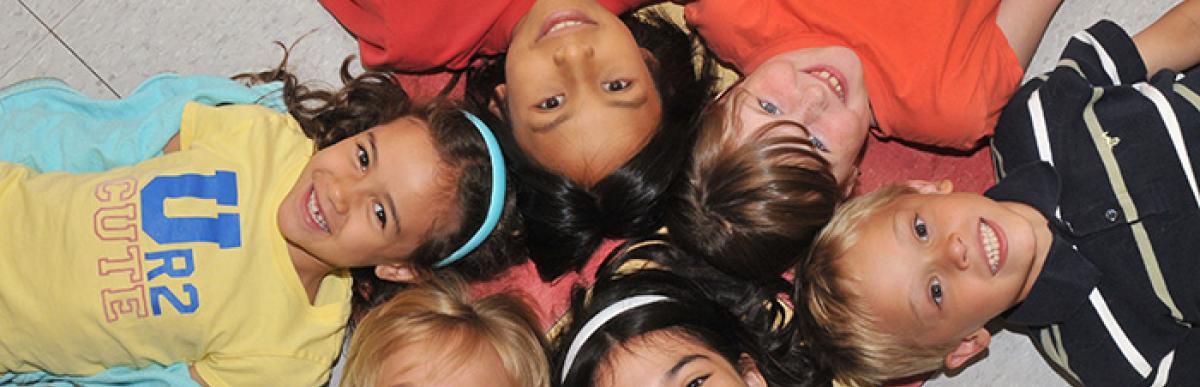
(373, 98)
(566, 221)
(689, 311)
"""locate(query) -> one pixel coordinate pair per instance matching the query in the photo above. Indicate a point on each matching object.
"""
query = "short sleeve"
(1105, 55)
(244, 126)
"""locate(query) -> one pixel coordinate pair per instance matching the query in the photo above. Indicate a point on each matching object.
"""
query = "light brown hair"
(751, 207)
(440, 311)
(853, 343)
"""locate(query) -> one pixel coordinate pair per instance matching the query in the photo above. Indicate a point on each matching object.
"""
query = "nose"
(569, 53)
(341, 191)
(955, 251)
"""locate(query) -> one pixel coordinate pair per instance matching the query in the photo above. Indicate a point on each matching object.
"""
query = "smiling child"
(1088, 240)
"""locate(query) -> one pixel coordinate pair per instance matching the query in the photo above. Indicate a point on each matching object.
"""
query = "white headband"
(602, 318)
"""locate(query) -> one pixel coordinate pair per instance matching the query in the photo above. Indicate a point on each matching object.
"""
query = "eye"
(551, 103)
(921, 229)
(768, 107)
(818, 144)
(697, 382)
(935, 291)
(617, 85)
(380, 213)
(364, 160)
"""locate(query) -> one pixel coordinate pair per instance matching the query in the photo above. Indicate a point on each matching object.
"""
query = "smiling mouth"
(563, 22)
(833, 80)
(991, 245)
(314, 210)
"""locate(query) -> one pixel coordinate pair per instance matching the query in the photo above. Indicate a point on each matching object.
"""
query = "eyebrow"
(391, 204)
(620, 104)
(553, 124)
(681, 363)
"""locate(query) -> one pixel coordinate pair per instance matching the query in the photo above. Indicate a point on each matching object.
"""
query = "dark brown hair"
(566, 221)
(372, 99)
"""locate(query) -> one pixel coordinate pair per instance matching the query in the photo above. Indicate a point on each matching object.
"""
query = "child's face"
(821, 88)
(670, 359)
(938, 266)
(368, 200)
(579, 93)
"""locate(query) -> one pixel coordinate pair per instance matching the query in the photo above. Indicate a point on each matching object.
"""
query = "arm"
(1173, 41)
(172, 145)
(1024, 22)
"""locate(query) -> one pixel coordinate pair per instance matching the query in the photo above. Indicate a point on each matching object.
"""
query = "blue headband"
(496, 203)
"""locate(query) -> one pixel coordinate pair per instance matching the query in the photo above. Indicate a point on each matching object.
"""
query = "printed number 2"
(161, 291)
(224, 230)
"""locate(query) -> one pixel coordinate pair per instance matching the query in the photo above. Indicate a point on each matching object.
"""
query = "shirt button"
(1111, 215)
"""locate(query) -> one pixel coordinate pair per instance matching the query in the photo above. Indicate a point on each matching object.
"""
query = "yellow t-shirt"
(177, 258)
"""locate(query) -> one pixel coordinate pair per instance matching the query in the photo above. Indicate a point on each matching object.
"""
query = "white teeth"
(992, 244)
(316, 211)
(563, 24)
(834, 83)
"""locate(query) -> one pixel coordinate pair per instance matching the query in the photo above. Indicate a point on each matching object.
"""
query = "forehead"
(596, 140)
(421, 184)
(880, 269)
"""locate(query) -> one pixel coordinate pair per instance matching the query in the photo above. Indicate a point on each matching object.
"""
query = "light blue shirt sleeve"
(46, 125)
(175, 375)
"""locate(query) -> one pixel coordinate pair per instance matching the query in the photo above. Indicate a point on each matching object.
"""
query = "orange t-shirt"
(427, 35)
(937, 72)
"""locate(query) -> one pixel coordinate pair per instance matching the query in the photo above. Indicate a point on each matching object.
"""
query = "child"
(1088, 240)
(594, 111)
(433, 334)
(778, 151)
(652, 328)
(934, 73)
(150, 236)
(750, 208)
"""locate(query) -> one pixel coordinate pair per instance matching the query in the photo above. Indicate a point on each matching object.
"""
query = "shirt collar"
(1067, 277)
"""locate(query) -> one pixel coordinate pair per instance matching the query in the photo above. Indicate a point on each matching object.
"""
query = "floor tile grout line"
(69, 49)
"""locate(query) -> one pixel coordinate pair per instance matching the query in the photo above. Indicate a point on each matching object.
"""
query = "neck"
(310, 269)
(1043, 238)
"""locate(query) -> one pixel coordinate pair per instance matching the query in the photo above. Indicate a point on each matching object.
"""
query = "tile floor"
(105, 48)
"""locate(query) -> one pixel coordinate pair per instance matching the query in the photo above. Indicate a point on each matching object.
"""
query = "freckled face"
(368, 200)
(578, 91)
(661, 358)
(820, 88)
(939, 266)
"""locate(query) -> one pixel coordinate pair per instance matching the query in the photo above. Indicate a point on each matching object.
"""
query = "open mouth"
(564, 22)
(834, 80)
(314, 211)
(993, 245)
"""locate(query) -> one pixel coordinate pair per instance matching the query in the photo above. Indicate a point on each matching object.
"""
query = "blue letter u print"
(224, 230)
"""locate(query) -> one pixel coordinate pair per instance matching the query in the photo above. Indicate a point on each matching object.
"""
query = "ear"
(396, 272)
(650, 59)
(495, 103)
(750, 373)
(930, 187)
(967, 348)
(851, 183)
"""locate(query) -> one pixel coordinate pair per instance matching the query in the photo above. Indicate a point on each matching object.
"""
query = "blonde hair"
(440, 311)
(850, 339)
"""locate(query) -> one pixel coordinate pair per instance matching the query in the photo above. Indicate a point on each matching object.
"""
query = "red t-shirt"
(422, 35)
(938, 72)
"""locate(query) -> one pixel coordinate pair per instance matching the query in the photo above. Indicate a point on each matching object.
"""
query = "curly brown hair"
(374, 98)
